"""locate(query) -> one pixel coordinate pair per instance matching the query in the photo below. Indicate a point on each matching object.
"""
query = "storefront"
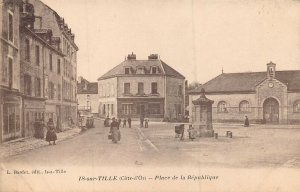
(33, 111)
(10, 114)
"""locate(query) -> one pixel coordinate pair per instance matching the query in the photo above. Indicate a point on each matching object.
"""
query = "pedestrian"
(115, 131)
(142, 121)
(124, 122)
(51, 135)
(129, 121)
(246, 124)
(146, 122)
(119, 122)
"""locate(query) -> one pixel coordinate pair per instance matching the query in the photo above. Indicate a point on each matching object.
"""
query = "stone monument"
(202, 116)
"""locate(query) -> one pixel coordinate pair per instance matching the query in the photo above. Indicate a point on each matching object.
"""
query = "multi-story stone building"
(37, 68)
(10, 96)
(87, 95)
(60, 69)
(142, 88)
(264, 97)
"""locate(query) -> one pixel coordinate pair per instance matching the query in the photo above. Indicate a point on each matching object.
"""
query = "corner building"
(137, 88)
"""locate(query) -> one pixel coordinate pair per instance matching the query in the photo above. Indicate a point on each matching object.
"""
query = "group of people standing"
(125, 121)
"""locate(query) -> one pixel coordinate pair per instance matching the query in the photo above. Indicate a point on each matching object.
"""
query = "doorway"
(271, 110)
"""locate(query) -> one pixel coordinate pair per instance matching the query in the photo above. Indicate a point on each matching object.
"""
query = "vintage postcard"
(149, 95)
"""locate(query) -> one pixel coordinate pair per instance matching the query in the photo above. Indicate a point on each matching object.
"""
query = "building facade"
(142, 88)
(87, 95)
(60, 68)
(10, 96)
(37, 70)
(264, 97)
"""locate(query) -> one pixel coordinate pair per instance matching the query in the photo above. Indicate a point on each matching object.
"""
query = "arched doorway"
(271, 110)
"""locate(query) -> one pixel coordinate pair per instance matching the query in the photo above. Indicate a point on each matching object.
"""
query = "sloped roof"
(163, 68)
(247, 82)
(90, 88)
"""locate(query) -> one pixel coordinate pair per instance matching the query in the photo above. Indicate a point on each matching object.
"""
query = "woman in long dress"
(51, 135)
(115, 131)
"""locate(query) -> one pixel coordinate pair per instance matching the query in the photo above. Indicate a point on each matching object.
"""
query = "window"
(59, 92)
(27, 50)
(140, 88)
(37, 87)
(244, 107)
(37, 55)
(126, 88)
(10, 72)
(127, 109)
(50, 62)
(127, 70)
(10, 27)
(51, 90)
(27, 85)
(154, 70)
(140, 70)
(296, 106)
(154, 108)
(180, 90)
(154, 88)
(58, 66)
(112, 109)
(222, 107)
(103, 109)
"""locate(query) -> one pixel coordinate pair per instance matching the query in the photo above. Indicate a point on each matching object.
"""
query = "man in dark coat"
(129, 121)
(246, 124)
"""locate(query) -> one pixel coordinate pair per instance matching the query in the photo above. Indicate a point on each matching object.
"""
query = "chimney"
(131, 56)
(153, 56)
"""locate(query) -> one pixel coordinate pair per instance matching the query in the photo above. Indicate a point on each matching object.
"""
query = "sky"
(198, 38)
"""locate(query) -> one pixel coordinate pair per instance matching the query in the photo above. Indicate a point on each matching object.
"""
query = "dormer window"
(127, 70)
(154, 70)
(140, 70)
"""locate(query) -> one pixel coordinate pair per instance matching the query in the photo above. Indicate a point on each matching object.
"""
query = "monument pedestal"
(202, 116)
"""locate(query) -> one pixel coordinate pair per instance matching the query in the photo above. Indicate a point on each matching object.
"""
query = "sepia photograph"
(149, 95)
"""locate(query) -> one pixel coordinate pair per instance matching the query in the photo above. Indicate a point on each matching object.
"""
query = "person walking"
(129, 121)
(124, 122)
(51, 135)
(115, 131)
(246, 124)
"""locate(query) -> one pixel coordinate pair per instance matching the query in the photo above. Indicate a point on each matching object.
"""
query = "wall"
(147, 80)
(107, 93)
(173, 97)
(233, 113)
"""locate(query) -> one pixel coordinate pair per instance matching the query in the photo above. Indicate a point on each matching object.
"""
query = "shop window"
(154, 108)
(127, 109)
(244, 107)
(222, 107)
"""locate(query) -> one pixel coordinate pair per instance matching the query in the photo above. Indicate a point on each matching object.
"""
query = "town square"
(149, 95)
